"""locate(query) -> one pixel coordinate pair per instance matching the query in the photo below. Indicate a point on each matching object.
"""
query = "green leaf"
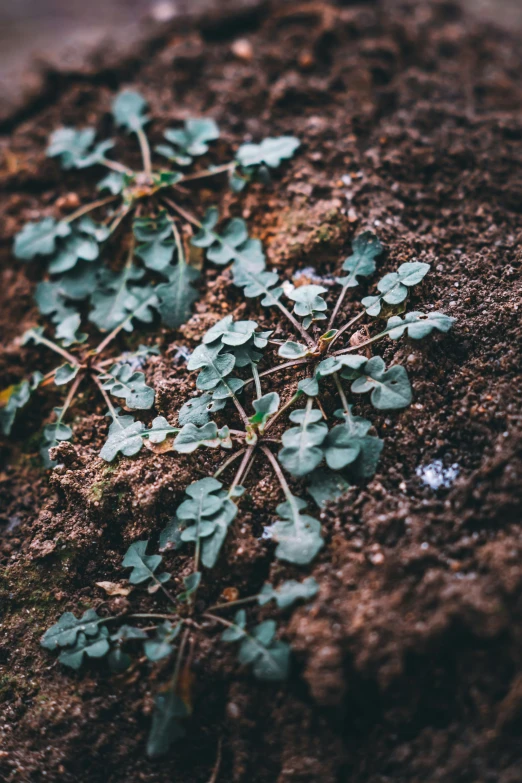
(269, 658)
(178, 295)
(394, 286)
(289, 592)
(157, 244)
(161, 646)
(232, 245)
(128, 110)
(143, 566)
(93, 648)
(67, 331)
(215, 368)
(327, 486)
(418, 325)
(114, 182)
(127, 436)
(366, 247)
(230, 333)
(39, 238)
(309, 303)
(211, 512)
(166, 729)
(308, 386)
(122, 382)
(270, 152)
(264, 407)
(65, 374)
(256, 281)
(349, 444)
(116, 301)
(298, 535)
(390, 388)
(191, 437)
(190, 142)
(65, 631)
(293, 350)
(301, 452)
(237, 631)
(73, 148)
(195, 411)
(19, 395)
(191, 582)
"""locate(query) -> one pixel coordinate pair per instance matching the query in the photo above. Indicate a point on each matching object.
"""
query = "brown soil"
(408, 665)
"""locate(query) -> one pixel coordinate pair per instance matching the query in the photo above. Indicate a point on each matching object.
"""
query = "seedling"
(323, 451)
(151, 274)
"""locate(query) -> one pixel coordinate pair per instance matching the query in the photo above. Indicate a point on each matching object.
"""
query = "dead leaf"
(113, 588)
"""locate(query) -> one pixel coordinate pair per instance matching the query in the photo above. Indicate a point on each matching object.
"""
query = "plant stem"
(337, 307)
(117, 220)
(153, 616)
(107, 399)
(89, 208)
(186, 215)
(279, 367)
(228, 462)
(233, 603)
(145, 150)
(283, 482)
(179, 243)
(361, 345)
(177, 668)
(342, 395)
(38, 338)
(344, 328)
(255, 376)
(282, 410)
(70, 397)
(115, 166)
(240, 470)
(208, 172)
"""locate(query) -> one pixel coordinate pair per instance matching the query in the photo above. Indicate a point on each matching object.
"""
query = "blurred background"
(64, 35)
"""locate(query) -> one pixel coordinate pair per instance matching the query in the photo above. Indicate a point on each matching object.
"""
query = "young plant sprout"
(288, 431)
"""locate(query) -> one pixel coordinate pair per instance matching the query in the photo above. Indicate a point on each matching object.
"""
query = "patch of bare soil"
(408, 664)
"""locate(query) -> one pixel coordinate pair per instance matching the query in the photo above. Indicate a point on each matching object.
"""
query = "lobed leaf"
(65, 631)
(394, 286)
(309, 304)
(122, 382)
(366, 247)
(288, 593)
(298, 535)
(301, 452)
(390, 389)
(128, 110)
(270, 152)
(39, 238)
(75, 148)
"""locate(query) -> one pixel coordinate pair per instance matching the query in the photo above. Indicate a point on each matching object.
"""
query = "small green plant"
(332, 456)
(323, 448)
(150, 275)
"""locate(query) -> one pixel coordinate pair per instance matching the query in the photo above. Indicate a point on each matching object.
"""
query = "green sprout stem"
(145, 150)
(283, 482)
(361, 345)
(257, 381)
(115, 166)
(38, 338)
(345, 327)
(89, 208)
(239, 602)
(70, 396)
(342, 395)
(108, 402)
(208, 172)
(228, 462)
(281, 410)
(237, 478)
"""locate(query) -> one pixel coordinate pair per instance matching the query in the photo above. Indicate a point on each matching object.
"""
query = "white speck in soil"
(267, 532)
(435, 475)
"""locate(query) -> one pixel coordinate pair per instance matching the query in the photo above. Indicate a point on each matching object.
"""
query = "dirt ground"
(408, 664)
